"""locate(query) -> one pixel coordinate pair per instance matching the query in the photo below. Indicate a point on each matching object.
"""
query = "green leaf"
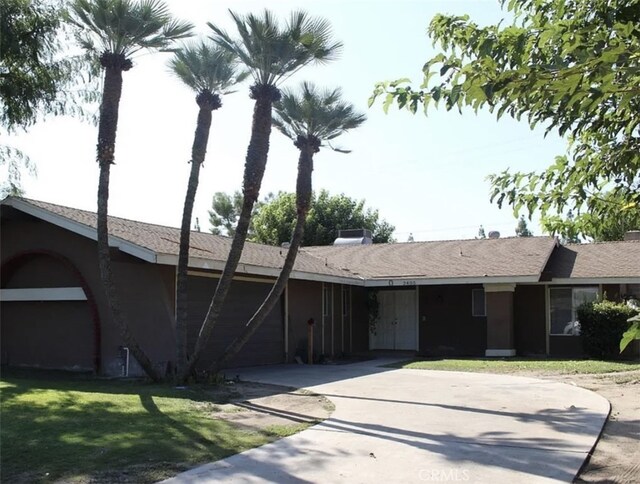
(387, 102)
(633, 333)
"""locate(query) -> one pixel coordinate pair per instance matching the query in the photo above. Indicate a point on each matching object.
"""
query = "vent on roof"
(354, 237)
(494, 234)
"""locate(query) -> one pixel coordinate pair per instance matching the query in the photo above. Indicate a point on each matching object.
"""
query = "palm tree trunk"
(303, 201)
(198, 152)
(255, 164)
(106, 147)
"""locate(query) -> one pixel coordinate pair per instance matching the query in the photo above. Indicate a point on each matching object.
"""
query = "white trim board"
(593, 280)
(43, 294)
(400, 282)
(504, 287)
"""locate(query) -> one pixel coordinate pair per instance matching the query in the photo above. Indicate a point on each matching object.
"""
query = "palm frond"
(273, 52)
(204, 66)
(310, 111)
(125, 26)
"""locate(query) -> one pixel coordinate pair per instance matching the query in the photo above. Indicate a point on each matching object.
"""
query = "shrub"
(602, 325)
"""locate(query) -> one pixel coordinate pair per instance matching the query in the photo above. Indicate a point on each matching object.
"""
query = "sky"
(425, 174)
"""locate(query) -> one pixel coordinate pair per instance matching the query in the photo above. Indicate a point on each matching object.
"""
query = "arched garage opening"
(49, 314)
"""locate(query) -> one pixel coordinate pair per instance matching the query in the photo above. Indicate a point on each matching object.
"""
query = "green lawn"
(113, 431)
(513, 365)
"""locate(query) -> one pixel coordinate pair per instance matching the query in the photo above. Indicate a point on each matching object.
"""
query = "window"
(326, 307)
(478, 303)
(564, 304)
(346, 300)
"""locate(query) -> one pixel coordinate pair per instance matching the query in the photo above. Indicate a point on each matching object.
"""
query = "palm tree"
(271, 53)
(309, 118)
(209, 71)
(115, 30)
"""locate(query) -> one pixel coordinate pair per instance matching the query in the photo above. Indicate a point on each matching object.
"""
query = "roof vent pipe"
(494, 234)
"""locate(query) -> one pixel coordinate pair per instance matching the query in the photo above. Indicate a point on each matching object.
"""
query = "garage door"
(265, 347)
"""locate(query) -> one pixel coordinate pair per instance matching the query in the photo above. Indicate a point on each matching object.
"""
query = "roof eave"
(595, 280)
(216, 265)
(80, 228)
(442, 281)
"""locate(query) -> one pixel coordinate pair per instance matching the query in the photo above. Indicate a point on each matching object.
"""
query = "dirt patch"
(616, 458)
(270, 408)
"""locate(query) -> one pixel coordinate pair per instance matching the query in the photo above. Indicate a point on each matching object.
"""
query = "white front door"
(396, 328)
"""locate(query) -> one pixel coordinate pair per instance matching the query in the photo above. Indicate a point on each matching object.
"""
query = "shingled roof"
(162, 244)
(518, 259)
(604, 260)
(511, 259)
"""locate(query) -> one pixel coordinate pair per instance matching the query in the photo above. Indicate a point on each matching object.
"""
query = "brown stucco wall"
(148, 299)
(500, 327)
(305, 302)
(530, 320)
(144, 290)
(47, 334)
(447, 326)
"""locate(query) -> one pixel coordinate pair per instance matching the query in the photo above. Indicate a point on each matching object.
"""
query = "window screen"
(478, 304)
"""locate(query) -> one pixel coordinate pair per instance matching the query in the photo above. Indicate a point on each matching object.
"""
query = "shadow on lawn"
(18, 381)
(92, 426)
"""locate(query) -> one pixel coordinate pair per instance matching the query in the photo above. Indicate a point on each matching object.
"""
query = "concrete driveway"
(422, 426)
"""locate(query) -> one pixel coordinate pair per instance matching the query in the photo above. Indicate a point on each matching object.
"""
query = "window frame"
(574, 308)
(346, 300)
(474, 314)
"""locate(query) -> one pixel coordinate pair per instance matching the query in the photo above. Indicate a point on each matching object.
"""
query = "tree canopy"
(593, 225)
(274, 220)
(224, 213)
(38, 76)
(570, 65)
(522, 230)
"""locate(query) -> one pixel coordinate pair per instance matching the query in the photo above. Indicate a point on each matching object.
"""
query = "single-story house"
(490, 297)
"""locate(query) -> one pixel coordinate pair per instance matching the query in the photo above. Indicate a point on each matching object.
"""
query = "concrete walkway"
(422, 426)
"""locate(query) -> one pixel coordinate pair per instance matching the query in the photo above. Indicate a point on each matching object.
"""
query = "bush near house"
(602, 325)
